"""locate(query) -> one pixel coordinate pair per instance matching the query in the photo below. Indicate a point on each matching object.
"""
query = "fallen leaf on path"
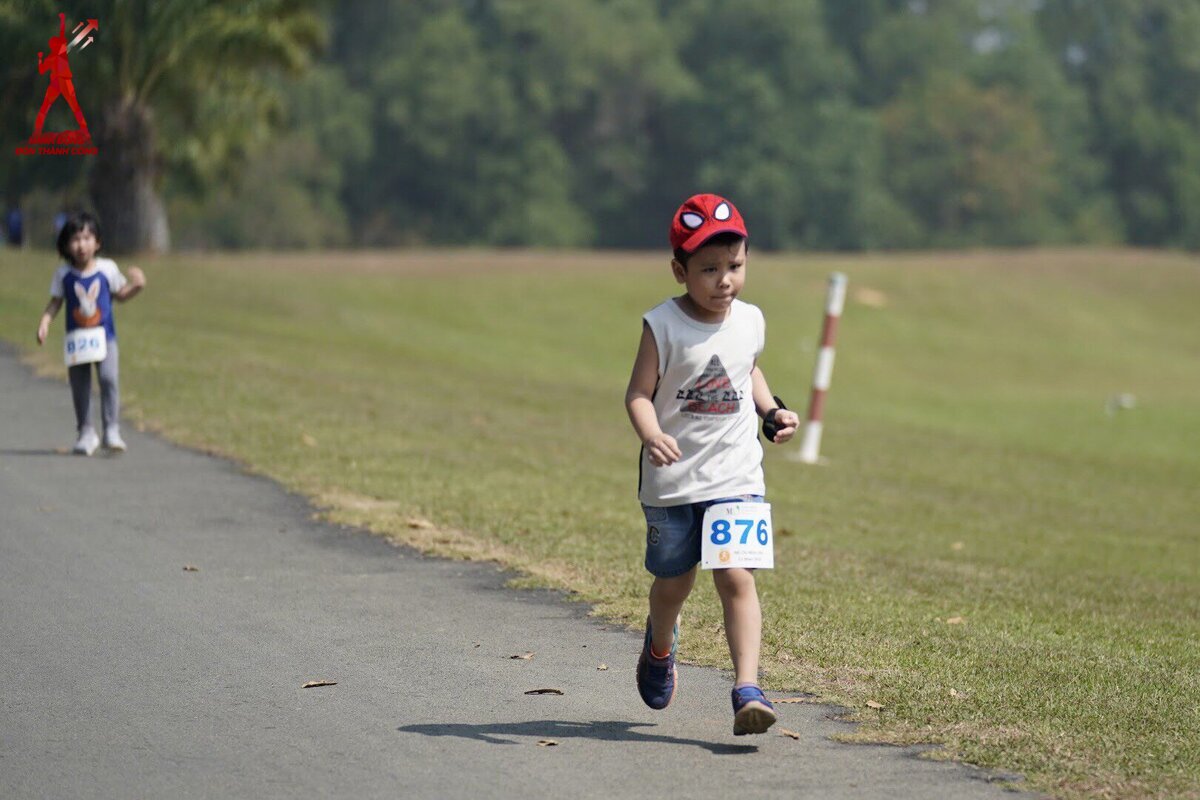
(190, 568)
(523, 656)
(547, 743)
(602, 667)
(874, 705)
(544, 691)
(787, 700)
(417, 522)
(308, 440)
(790, 734)
(955, 621)
(314, 684)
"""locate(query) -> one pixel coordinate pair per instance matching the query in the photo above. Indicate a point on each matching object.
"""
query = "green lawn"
(471, 403)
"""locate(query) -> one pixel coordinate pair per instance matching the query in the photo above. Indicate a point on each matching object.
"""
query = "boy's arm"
(639, 402)
(764, 403)
(47, 317)
(137, 282)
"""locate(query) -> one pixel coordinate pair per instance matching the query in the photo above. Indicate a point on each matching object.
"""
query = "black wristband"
(769, 426)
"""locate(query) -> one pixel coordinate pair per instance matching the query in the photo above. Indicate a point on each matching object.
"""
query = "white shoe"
(113, 440)
(87, 442)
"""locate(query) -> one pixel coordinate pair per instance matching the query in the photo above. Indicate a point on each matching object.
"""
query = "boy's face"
(83, 246)
(714, 276)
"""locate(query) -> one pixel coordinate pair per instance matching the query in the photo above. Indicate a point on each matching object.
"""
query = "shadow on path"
(612, 731)
(34, 452)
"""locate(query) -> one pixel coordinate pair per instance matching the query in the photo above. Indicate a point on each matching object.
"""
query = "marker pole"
(835, 300)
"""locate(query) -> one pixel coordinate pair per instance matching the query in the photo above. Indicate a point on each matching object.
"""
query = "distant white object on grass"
(871, 298)
(1118, 402)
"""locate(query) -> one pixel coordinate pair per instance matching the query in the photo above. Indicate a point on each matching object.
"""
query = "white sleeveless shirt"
(704, 400)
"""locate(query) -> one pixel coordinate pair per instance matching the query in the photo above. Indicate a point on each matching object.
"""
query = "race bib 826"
(85, 346)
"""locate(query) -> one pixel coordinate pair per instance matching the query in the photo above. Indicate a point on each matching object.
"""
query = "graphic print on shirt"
(87, 313)
(712, 393)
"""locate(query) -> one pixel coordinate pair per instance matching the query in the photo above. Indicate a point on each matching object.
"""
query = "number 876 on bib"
(737, 535)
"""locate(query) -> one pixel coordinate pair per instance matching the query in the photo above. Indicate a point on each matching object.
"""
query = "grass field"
(1003, 565)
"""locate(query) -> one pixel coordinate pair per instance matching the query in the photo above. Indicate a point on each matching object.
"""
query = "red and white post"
(835, 300)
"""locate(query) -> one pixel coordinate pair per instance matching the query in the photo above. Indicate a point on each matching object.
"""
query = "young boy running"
(694, 397)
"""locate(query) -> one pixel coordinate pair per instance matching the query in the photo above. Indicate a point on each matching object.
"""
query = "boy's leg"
(80, 377)
(656, 672)
(666, 601)
(752, 711)
(110, 393)
(672, 557)
(743, 620)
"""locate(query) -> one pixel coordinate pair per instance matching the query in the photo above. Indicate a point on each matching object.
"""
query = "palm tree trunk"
(124, 180)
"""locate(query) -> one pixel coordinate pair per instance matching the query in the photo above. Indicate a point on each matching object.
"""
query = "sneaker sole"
(753, 717)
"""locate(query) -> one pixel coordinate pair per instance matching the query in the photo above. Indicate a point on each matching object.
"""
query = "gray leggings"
(110, 393)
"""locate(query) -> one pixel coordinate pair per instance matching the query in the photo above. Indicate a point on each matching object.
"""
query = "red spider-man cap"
(701, 217)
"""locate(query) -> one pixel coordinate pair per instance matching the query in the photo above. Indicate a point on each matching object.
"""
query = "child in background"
(88, 285)
(700, 446)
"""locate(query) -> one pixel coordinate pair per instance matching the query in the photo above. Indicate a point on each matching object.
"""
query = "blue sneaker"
(656, 676)
(752, 711)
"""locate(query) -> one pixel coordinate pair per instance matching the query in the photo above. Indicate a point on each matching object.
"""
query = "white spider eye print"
(691, 219)
(721, 213)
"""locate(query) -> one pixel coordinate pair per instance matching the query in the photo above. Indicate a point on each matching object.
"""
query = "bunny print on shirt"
(89, 296)
(86, 313)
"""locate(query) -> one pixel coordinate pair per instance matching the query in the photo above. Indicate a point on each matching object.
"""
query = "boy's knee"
(732, 582)
(677, 585)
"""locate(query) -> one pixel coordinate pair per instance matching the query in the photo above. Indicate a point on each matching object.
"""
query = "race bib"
(85, 346)
(737, 535)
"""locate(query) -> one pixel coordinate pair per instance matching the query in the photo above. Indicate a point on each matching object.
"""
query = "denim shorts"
(673, 534)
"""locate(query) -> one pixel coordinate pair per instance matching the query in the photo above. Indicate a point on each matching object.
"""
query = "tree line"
(834, 124)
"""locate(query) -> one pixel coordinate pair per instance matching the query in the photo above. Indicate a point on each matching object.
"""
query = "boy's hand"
(137, 277)
(662, 449)
(43, 330)
(786, 423)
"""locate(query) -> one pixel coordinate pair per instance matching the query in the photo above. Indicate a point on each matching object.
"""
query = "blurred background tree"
(834, 124)
(175, 86)
(1139, 63)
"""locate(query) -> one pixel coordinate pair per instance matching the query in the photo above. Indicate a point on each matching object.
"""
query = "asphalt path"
(124, 675)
